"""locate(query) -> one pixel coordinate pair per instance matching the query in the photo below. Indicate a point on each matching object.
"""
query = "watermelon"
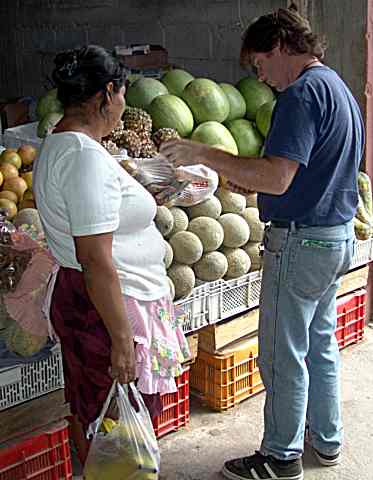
(248, 139)
(255, 94)
(213, 133)
(263, 117)
(237, 104)
(176, 80)
(47, 124)
(207, 100)
(141, 93)
(169, 111)
(48, 103)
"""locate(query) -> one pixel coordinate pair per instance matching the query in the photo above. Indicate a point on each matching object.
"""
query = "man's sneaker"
(328, 460)
(258, 466)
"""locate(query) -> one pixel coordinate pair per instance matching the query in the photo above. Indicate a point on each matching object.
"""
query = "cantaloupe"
(231, 202)
(169, 256)
(251, 216)
(239, 262)
(211, 267)
(187, 247)
(209, 231)
(183, 278)
(253, 250)
(236, 230)
(181, 221)
(209, 208)
(251, 200)
(21, 342)
(164, 220)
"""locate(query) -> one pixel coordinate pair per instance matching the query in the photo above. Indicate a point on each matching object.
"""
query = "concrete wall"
(201, 35)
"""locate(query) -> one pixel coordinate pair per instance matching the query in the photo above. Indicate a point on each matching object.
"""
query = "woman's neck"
(79, 121)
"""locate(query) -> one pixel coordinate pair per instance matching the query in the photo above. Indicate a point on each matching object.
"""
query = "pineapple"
(148, 149)
(164, 134)
(131, 142)
(110, 146)
(116, 133)
(137, 120)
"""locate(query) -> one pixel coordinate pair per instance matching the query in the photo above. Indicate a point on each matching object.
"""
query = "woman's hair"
(284, 27)
(81, 73)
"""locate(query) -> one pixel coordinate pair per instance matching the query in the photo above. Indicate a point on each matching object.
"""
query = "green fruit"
(47, 124)
(213, 133)
(48, 103)
(264, 116)
(169, 111)
(255, 94)
(176, 80)
(248, 139)
(143, 91)
(237, 105)
(206, 100)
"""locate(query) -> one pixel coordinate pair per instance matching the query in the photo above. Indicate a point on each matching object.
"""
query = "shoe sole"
(328, 463)
(232, 476)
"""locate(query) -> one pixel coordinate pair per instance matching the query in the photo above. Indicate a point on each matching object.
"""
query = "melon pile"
(233, 118)
(218, 238)
(16, 185)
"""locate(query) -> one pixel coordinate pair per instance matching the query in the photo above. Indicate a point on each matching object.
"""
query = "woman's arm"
(94, 253)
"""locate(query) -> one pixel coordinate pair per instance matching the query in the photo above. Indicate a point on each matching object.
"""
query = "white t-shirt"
(80, 189)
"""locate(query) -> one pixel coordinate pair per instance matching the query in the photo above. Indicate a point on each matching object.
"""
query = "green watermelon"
(255, 94)
(176, 80)
(263, 117)
(207, 100)
(48, 103)
(237, 105)
(169, 111)
(213, 133)
(248, 139)
(141, 93)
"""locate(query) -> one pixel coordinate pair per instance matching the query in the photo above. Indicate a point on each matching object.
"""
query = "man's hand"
(123, 362)
(185, 152)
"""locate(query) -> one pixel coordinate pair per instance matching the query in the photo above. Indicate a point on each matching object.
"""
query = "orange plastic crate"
(175, 412)
(43, 455)
(350, 318)
(228, 378)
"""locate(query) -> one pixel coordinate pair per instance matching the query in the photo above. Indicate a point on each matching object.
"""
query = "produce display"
(210, 241)
(363, 220)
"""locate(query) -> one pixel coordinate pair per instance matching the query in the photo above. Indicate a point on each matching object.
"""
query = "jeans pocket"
(314, 266)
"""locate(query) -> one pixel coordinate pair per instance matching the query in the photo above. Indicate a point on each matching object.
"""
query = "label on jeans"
(317, 244)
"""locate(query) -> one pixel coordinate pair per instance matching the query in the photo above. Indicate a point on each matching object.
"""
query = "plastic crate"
(195, 308)
(175, 412)
(228, 378)
(350, 318)
(363, 253)
(23, 134)
(43, 455)
(230, 297)
(31, 380)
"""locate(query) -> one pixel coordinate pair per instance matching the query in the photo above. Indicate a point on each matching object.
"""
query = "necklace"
(308, 64)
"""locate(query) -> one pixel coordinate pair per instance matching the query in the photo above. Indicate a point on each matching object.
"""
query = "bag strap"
(98, 422)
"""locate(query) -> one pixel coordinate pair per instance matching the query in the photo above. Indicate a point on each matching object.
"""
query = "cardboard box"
(142, 56)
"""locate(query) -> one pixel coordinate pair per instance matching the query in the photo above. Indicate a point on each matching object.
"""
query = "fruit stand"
(213, 248)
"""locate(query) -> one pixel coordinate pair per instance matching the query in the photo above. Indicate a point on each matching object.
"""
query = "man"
(307, 182)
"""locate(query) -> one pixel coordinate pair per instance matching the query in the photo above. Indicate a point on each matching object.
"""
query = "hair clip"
(70, 67)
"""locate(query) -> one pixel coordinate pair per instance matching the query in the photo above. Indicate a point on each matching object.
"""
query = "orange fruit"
(8, 156)
(27, 153)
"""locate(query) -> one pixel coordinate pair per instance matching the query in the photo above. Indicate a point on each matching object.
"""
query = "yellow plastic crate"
(227, 378)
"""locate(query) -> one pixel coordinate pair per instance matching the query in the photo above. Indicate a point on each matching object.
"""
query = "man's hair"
(285, 28)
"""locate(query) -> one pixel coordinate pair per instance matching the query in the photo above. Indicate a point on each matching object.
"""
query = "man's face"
(270, 68)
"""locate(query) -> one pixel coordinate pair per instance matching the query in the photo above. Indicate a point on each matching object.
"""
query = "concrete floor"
(198, 451)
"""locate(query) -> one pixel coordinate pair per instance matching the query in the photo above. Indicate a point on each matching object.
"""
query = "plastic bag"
(126, 448)
(203, 182)
(157, 175)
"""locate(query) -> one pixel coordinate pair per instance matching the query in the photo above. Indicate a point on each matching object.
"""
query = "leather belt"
(287, 224)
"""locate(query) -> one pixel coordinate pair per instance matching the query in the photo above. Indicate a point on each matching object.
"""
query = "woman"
(111, 305)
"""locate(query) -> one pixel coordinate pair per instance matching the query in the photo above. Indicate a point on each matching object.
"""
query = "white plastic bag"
(128, 449)
(203, 182)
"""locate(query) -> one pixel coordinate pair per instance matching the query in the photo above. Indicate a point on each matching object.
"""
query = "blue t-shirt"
(317, 123)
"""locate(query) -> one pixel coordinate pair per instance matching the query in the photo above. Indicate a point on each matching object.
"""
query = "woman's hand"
(185, 152)
(123, 362)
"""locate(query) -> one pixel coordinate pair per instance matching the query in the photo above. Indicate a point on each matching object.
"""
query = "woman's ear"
(109, 90)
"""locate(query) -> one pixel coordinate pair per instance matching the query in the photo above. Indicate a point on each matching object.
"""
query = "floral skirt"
(86, 346)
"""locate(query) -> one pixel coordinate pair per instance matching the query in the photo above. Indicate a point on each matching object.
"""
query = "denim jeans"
(298, 351)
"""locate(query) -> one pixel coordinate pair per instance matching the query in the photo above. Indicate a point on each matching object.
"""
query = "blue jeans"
(298, 350)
